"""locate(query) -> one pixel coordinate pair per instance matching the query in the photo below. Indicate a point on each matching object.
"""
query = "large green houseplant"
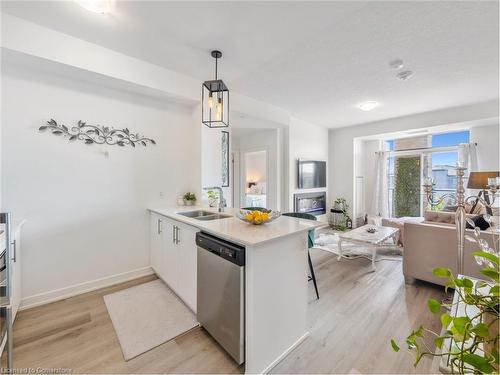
(475, 338)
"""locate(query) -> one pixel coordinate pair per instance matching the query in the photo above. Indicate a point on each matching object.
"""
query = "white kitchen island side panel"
(276, 300)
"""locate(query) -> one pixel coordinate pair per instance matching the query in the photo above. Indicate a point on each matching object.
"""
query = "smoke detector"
(404, 75)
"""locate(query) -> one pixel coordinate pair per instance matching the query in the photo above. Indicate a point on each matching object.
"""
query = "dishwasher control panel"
(227, 250)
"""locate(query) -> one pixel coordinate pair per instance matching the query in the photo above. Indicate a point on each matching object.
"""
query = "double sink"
(204, 215)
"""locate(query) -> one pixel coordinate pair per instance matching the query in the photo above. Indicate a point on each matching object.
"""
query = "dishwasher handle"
(229, 251)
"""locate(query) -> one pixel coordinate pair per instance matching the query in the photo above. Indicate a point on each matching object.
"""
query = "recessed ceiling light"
(96, 6)
(404, 75)
(368, 106)
(396, 64)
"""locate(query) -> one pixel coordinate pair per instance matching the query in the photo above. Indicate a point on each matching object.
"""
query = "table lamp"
(479, 181)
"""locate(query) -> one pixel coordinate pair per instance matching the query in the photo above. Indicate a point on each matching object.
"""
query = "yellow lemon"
(249, 217)
(265, 216)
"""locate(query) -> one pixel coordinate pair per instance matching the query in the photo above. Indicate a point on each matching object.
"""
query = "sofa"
(433, 243)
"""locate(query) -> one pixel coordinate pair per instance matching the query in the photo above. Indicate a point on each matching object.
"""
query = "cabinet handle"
(14, 246)
(173, 234)
(177, 236)
(159, 224)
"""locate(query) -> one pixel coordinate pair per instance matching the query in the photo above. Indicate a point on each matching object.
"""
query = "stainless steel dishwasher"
(221, 292)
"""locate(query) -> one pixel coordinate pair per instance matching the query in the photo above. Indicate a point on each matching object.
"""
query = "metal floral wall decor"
(96, 134)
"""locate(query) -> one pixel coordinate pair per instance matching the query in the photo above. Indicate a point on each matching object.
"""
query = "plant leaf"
(434, 305)
(483, 254)
(72, 138)
(438, 341)
(491, 273)
(495, 355)
(481, 330)
(152, 141)
(446, 319)
(494, 290)
(467, 283)
(478, 362)
(442, 272)
(41, 128)
(64, 127)
(395, 346)
(460, 322)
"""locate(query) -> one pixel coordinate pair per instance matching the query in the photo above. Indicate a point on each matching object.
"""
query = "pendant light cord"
(216, 68)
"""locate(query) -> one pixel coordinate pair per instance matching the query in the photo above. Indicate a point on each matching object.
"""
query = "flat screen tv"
(311, 174)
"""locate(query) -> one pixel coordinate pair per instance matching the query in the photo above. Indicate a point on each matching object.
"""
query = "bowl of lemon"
(258, 217)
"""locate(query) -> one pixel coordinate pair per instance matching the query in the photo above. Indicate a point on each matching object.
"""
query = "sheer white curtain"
(380, 201)
(467, 154)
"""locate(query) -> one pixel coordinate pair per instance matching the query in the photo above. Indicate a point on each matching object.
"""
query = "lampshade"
(479, 180)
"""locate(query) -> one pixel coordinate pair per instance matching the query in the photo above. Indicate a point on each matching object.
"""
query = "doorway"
(254, 178)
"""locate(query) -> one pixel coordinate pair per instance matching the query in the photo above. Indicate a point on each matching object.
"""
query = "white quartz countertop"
(235, 230)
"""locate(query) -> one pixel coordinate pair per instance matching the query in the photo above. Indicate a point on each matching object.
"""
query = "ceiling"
(317, 60)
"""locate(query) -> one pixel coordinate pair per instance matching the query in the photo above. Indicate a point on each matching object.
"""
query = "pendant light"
(215, 100)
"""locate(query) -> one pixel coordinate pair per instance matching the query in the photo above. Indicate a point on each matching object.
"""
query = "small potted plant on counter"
(189, 199)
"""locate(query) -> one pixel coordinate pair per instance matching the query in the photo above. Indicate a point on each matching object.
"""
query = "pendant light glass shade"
(215, 100)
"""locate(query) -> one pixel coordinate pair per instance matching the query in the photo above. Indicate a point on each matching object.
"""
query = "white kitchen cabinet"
(173, 256)
(171, 249)
(187, 253)
(157, 253)
(15, 299)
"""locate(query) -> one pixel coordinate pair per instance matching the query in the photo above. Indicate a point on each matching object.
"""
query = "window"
(450, 139)
(442, 170)
(405, 170)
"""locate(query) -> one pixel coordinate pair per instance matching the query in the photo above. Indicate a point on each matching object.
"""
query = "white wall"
(341, 154)
(305, 141)
(211, 161)
(86, 215)
(256, 167)
(488, 149)
(263, 139)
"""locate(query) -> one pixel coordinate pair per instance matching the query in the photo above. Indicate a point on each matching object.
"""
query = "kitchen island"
(276, 290)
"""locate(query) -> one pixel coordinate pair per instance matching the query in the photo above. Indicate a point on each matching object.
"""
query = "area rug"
(328, 241)
(146, 316)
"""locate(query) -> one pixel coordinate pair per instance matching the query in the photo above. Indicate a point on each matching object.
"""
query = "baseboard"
(88, 286)
(285, 353)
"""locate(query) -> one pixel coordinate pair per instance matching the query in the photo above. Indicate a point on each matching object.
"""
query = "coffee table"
(374, 240)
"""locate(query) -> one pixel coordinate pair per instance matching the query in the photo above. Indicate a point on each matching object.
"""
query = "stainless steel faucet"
(222, 201)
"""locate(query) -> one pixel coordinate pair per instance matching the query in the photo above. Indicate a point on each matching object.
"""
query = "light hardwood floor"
(350, 329)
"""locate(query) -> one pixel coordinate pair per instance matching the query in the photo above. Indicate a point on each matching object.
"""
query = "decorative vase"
(180, 201)
(189, 203)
